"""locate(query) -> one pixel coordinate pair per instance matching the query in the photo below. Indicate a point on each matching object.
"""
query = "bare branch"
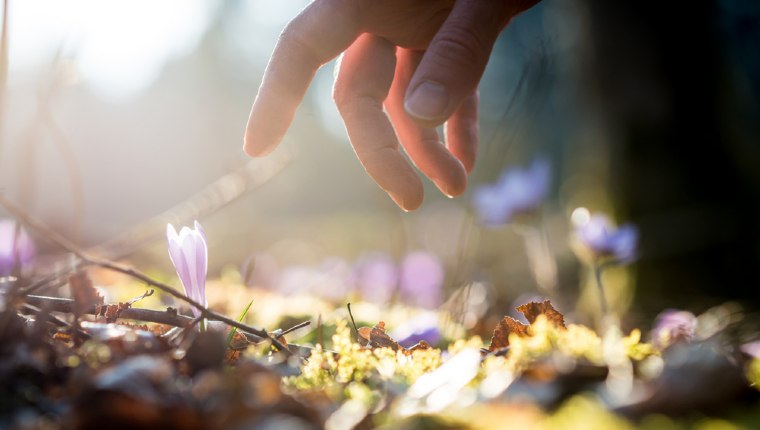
(42, 229)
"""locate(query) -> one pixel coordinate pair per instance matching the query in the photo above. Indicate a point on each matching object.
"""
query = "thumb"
(454, 61)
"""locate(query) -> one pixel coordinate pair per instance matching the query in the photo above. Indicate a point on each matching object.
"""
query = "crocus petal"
(199, 229)
(171, 233)
(189, 254)
(195, 273)
(177, 257)
(201, 255)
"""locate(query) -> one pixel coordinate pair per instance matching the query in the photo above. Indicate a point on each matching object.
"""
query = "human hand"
(421, 60)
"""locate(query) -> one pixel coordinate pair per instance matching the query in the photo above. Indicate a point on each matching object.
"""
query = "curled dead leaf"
(506, 326)
(111, 312)
(376, 337)
(83, 292)
(533, 309)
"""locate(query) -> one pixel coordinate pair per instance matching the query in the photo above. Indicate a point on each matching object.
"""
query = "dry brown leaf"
(111, 312)
(63, 337)
(240, 342)
(231, 356)
(83, 292)
(417, 347)
(159, 329)
(506, 326)
(377, 338)
(533, 309)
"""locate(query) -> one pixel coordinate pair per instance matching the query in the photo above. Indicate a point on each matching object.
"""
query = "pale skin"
(408, 66)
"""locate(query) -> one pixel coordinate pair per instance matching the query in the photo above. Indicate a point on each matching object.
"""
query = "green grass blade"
(233, 330)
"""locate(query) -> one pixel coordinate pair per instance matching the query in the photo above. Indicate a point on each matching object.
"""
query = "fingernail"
(444, 188)
(427, 101)
(399, 201)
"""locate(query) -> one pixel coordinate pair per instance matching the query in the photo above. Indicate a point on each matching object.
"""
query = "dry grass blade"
(213, 197)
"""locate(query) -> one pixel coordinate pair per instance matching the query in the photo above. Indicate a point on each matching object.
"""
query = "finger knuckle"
(462, 46)
(351, 104)
(300, 47)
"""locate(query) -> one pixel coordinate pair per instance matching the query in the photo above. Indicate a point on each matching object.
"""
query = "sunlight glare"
(119, 47)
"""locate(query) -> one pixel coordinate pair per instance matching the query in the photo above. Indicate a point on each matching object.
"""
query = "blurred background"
(118, 117)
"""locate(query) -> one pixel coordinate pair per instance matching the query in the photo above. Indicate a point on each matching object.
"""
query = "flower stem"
(543, 266)
(202, 324)
(602, 296)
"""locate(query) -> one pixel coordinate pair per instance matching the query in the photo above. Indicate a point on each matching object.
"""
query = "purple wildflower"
(415, 330)
(673, 326)
(421, 279)
(333, 279)
(376, 277)
(14, 246)
(188, 251)
(518, 191)
(752, 349)
(296, 279)
(261, 270)
(599, 238)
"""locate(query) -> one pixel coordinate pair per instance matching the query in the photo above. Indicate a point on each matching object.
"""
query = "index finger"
(318, 34)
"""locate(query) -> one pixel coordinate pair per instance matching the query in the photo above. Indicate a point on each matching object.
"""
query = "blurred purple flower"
(752, 349)
(334, 279)
(295, 279)
(331, 279)
(601, 239)
(376, 277)
(14, 246)
(188, 251)
(517, 191)
(415, 330)
(421, 279)
(673, 326)
(260, 270)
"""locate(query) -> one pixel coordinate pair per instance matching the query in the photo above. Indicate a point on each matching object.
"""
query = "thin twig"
(44, 315)
(54, 280)
(60, 304)
(140, 297)
(320, 331)
(168, 316)
(295, 327)
(351, 314)
(33, 224)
